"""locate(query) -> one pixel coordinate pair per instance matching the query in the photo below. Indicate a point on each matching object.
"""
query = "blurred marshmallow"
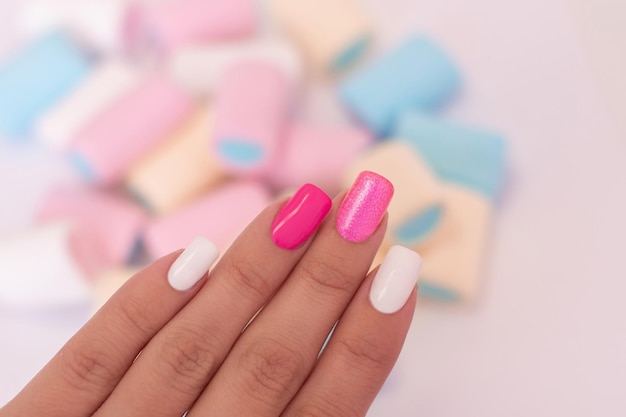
(380, 257)
(108, 83)
(199, 68)
(108, 283)
(251, 110)
(107, 224)
(318, 155)
(466, 156)
(452, 267)
(99, 24)
(332, 33)
(219, 216)
(35, 79)
(170, 24)
(179, 170)
(39, 269)
(416, 207)
(107, 148)
(416, 75)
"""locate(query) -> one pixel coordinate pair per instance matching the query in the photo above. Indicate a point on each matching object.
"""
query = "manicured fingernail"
(192, 264)
(364, 206)
(395, 280)
(300, 217)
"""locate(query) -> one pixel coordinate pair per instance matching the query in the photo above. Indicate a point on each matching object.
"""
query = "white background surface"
(548, 336)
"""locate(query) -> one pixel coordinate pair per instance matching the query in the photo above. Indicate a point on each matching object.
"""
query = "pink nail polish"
(364, 206)
(300, 217)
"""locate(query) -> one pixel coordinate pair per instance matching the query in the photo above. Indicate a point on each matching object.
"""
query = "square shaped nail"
(364, 206)
(300, 217)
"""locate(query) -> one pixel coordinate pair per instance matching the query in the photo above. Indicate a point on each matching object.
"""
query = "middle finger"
(273, 357)
(179, 361)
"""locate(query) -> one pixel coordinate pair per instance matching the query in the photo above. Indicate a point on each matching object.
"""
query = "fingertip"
(395, 280)
(192, 264)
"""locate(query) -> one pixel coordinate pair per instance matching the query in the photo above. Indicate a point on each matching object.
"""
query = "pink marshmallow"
(111, 144)
(106, 227)
(318, 155)
(251, 109)
(219, 216)
(173, 23)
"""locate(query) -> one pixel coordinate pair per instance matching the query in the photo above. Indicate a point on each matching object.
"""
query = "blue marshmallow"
(35, 79)
(462, 155)
(417, 75)
(418, 228)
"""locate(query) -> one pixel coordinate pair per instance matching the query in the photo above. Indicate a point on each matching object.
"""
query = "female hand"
(176, 339)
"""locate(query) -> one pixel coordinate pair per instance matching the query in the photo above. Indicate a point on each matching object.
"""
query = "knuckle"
(322, 408)
(247, 277)
(88, 368)
(187, 359)
(365, 354)
(328, 276)
(134, 315)
(271, 370)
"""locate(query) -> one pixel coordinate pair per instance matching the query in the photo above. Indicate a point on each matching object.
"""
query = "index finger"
(86, 370)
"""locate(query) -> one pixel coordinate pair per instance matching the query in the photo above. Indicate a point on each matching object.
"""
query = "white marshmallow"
(199, 69)
(98, 23)
(40, 271)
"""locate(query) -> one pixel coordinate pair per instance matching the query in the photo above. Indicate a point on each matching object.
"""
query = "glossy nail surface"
(395, 280)
(192, 264)
(300, 217)
(364, 206)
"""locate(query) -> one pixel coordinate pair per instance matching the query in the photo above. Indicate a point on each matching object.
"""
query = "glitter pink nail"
(364, 206)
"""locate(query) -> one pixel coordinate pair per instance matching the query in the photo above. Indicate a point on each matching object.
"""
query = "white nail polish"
(395, 280)
(192, 264)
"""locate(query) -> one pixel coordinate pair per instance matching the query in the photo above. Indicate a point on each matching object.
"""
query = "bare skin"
(153, 351)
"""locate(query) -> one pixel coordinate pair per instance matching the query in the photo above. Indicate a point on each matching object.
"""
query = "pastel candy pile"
(107, 227)
(35, 79)
(468, 156)
(55, 279)
(329, 44)
(221, 214)
(167, 25)
(251, 110)
(108, 82)
(416, 75)
(317, 154)
(98, 25)
(200, 68)
(184, 118)
(179, 170)
(108, 147)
